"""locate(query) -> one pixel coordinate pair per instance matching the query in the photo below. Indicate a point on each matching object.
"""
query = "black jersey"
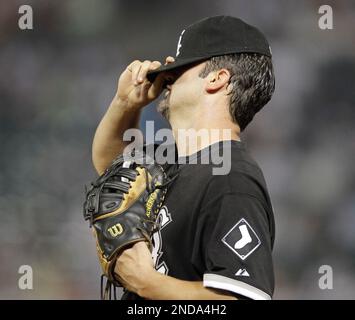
(218, 229)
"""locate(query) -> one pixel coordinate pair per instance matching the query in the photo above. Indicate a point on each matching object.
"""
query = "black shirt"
(218, 229)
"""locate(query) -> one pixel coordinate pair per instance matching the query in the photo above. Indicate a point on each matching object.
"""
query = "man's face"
(183, 88)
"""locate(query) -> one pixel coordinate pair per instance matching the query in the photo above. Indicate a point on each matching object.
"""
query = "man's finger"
(169, 59)
(143, 71)
(154, 65)
(157, 86)
(134, 68)
(148, 67)
(132, 64)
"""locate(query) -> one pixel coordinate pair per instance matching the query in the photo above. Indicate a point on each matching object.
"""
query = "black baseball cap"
(215, 36)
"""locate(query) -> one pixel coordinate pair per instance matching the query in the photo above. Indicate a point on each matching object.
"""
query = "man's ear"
(216, 80)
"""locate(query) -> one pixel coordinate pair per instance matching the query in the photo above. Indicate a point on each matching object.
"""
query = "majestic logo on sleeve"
(242, 273)
(242, 239)
(164, 219)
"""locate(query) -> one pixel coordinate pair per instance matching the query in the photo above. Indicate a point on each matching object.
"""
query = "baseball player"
(217, 231)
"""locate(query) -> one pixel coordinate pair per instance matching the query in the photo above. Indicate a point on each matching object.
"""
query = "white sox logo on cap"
(214, 36)
(179, 43)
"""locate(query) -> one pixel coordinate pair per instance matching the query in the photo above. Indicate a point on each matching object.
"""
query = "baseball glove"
(122, 206)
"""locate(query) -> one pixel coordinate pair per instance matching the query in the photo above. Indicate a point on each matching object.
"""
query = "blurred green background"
(57, 80)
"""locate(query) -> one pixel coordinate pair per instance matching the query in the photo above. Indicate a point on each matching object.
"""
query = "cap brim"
(151, 75)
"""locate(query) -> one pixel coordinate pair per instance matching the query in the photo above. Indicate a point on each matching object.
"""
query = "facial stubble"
(163, 106)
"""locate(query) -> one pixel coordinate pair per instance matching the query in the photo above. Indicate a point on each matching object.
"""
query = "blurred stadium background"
(57, 80)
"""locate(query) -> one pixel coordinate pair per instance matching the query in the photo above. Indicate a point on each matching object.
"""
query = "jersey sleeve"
(233, 245)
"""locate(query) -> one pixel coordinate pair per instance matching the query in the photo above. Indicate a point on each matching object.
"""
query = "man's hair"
(252, 83)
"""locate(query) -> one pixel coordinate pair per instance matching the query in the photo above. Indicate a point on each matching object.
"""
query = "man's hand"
(133, 93)
(133, 86)
(135, 266)
(137, 274)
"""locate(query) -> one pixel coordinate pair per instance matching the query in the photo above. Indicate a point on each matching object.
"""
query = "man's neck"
(192, 140)
(195, 128)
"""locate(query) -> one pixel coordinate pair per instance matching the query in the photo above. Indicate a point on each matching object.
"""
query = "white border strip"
(239, 287)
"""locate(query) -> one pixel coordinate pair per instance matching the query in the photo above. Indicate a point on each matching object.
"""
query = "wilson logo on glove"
(128, 195)
(115, 230)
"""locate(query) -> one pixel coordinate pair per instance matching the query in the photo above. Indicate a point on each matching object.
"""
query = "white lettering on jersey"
(164, 219)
